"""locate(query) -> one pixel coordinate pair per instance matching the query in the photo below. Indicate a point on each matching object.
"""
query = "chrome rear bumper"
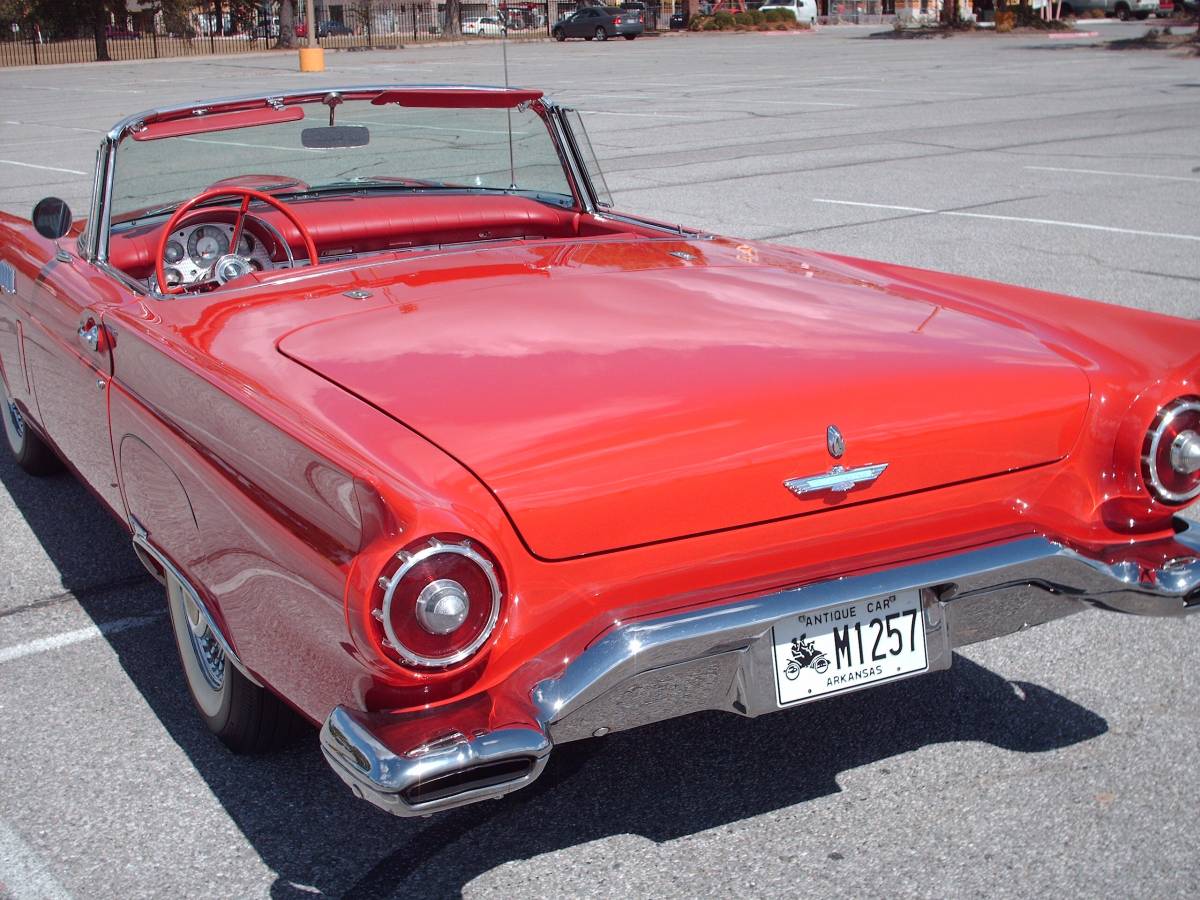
(721, 658)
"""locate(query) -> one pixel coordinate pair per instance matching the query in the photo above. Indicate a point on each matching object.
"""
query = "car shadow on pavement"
(661, 782)
(87, 546)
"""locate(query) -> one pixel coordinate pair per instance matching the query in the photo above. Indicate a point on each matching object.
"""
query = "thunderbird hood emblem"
(838, 479)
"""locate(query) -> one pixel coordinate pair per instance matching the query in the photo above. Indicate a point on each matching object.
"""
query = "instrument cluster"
(193, 250)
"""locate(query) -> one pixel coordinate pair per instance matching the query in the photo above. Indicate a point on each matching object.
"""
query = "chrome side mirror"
(52, 218)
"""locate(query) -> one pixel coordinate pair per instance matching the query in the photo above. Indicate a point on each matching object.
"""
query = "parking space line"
(1114, 174)
(52, 125)
(603, 112)
(238, 144)
(67, 638)
(1032, 221)
(22, 872)
(13, 162)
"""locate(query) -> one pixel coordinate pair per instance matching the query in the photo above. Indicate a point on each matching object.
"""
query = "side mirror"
(52, 218)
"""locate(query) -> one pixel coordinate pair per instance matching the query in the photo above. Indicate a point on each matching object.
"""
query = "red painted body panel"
(283, 496)
(618, 399)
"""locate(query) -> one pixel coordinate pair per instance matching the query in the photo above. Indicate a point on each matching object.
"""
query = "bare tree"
(453, 17)
(287, 24)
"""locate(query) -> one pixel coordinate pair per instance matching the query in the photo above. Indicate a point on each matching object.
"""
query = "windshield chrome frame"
(94, 242)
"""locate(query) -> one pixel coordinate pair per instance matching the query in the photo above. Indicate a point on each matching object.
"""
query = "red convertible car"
(431, 446)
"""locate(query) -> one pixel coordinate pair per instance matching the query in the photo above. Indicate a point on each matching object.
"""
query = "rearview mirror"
(335, 136)
(52, 218)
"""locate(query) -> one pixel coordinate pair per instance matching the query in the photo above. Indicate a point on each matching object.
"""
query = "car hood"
(611, 399)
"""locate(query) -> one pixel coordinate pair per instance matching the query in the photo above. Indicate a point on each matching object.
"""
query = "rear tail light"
(1171, 452)
(441, 603)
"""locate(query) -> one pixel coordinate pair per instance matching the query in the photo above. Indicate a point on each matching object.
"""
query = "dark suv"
(601, 23)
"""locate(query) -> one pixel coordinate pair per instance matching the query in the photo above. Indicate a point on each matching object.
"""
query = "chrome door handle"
(90, 337)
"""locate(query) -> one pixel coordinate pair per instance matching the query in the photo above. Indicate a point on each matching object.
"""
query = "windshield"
(406, 149)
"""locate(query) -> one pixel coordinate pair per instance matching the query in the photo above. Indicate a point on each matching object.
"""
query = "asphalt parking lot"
(1054, 762)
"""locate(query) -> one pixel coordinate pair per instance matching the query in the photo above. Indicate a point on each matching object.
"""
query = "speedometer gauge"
(207, 244)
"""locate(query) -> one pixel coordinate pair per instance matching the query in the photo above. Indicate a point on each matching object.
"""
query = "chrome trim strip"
(579, 178)
(378, 774)
(275, 98)
(141, 544)
(103, 202)
(572, 144)
(836, 479)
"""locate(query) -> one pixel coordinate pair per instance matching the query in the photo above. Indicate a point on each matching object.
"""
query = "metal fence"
(358, 24)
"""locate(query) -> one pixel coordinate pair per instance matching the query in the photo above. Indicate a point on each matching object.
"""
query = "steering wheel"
(247, 194)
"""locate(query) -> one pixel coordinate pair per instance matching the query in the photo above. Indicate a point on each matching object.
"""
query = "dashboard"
(192, 250)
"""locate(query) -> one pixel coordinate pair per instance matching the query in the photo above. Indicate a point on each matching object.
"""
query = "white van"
(803, 10)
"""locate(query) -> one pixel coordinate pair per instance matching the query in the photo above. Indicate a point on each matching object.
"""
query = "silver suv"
(1122, 9)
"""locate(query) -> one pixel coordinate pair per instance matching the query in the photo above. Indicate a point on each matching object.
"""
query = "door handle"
(92, 336)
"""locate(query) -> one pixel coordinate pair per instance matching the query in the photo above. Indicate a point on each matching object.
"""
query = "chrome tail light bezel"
(410, 559)
(1152, 447)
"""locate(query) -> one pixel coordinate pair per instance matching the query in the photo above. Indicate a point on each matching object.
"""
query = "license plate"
(849, 646)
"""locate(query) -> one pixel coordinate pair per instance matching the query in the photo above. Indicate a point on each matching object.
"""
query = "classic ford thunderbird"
(432, 447)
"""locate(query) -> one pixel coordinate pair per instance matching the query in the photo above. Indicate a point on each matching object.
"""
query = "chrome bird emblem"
(835, 442)
(838, 479)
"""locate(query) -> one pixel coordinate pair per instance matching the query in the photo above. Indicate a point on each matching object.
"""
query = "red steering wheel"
(247, 195)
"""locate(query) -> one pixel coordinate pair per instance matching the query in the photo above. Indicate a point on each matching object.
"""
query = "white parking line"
(251, 146)
(604, 112)
(1055, 222)
(22, 872)
(13, 162)
(1114, 174)
(55, 642)
(52, 125)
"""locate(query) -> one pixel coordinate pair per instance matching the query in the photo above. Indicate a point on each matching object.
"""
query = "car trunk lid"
(610, 407)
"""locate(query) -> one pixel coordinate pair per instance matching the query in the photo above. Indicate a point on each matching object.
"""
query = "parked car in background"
(805, 11)
(333, 28)
(1166, 9)
(639, 10)
(483, 26)
(599, 23)
(265, 28)
(679, 21)
(329, 28)
(1121, 9)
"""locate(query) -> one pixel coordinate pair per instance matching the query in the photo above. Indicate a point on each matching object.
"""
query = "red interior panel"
(341, 225)
(457, 98)
(218, 122)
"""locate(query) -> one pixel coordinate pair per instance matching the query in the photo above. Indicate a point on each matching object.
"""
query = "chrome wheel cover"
(210, 656)
(16, 420)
